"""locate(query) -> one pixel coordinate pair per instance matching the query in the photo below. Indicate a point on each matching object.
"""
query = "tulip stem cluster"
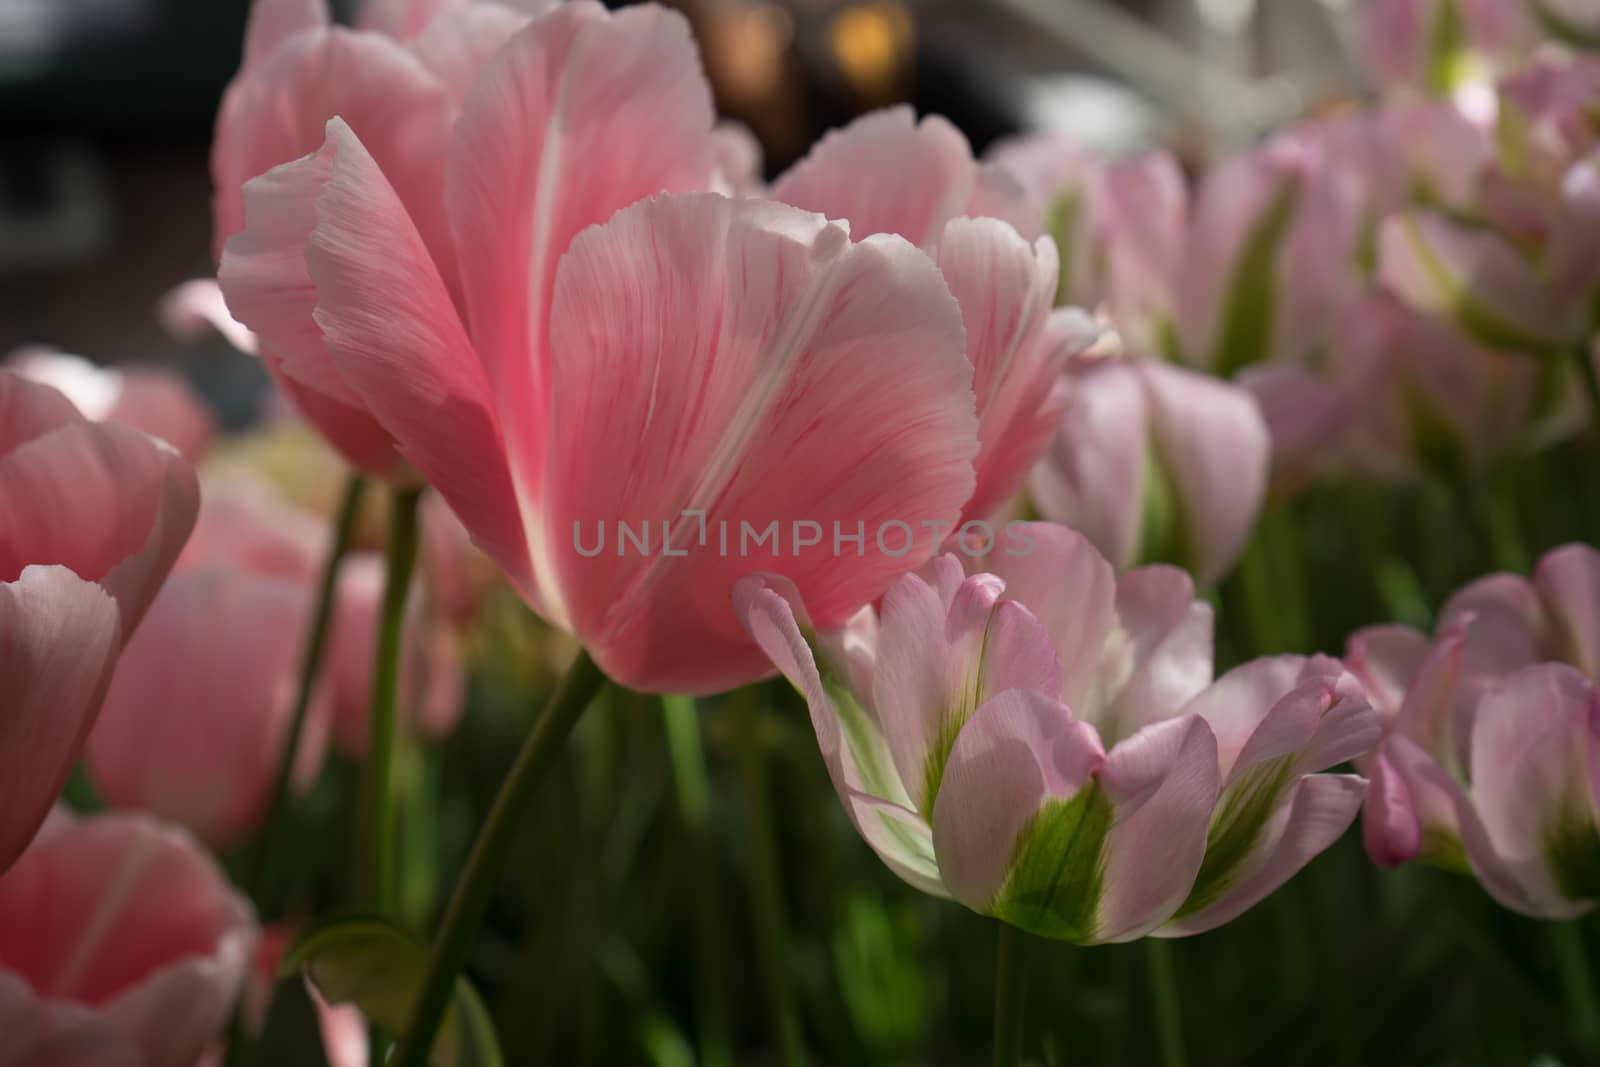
(260, 870)
(490, 852)
(381, 867)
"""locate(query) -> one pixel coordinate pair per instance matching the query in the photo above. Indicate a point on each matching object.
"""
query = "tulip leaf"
(377, 966)
(1237, 827)
(1250, 309)
(1058, 868)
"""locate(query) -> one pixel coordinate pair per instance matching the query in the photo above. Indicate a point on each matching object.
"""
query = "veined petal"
(756, 373)
(1318, 809)
(579, 115)
(59, 638)
(888, 173)
(1019, 822)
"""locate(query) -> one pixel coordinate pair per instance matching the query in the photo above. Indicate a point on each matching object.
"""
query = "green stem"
(1010, 994)
(1169, 1009)
(766, 882)
(260, 866)
(693, 790)
(489, 855)
(400, 558)
(1577, 981)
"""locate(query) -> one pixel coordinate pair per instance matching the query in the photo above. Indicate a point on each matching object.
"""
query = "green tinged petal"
(1236, 830)
(1058, 868)
(1250, 314)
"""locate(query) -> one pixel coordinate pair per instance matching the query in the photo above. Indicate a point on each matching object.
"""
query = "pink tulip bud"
(1042, 741)
(92, 517)
(120, 943)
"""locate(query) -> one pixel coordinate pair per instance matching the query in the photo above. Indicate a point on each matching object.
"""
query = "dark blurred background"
(106, 109)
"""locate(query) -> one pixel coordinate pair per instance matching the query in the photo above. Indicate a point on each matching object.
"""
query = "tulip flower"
(399, 79)
(1484, 735)
(121, 944)
(197, 714)
(1153, 462)
(886, 173)
(1446, 47)
(1039, 741)
(91, 518)
(742, 405)
(147, 398)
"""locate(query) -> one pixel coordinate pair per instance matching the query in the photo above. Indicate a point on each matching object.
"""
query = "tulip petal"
(1318, 809)
(458, 46)
(53, 1033)
(272, 22)
(1006, 290)
(582, 113)
(31, 409)
(1216, 450)
(1535, 750)
(404, 20)
(1019, 783)
(59, 638)
(1163, 783)
(1163, 648)
(740, 371)
(1384, 660)
(1568, 580)
(1391, 828)
(888, 173)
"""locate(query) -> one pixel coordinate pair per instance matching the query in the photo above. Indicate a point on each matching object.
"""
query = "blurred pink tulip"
(887, 173)
(703, 354)
(121, 945)
(1155, 462)
(1444, 46)
(1486, 759)
(432, 680)
(148, 398)
(197, 714)
(92, 516)
(1042, 741)
(399, 79)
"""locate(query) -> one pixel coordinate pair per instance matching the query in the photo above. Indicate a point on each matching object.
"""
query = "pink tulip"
(693, 354)
(399, 80)
(91, 518)
(1063, 761)
(432, 681)
(121, 945)
(1444, 46)
(1155, 462)
(147, 398)
(1489, 730)
(196, 306)
(974, 220)
(197, 714)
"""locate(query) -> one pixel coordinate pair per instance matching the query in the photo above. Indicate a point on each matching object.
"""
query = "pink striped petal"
(1316, 813)
(1017, 347)
(1568, 580)
(888, 173)
(1163, 782)
(581, 114)
(59, 638)
(762, 369)
(1019, 750)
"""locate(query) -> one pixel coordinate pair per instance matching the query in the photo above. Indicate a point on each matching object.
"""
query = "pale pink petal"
(1019, 750)
(198, 305)
(1216, 450)
(1006, 290)
(1305, 415)
(1568, 580)
(458, 46)
(581, 114)
(1236, 704)
(244, 525)
(1322, 721)
(1140, 218)
(1163, 647)
(404, 19)
(1317, 811)
(1533, 744)
(740, 159)
(1390, 827)
(29, 410)
(396, 340)
(272, 22)
(59, 637)
(58, 1033)
(1163, 782)
(820, 391)
(194, 722)
(888, 173)
(1092, 476)
(1385, 659)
